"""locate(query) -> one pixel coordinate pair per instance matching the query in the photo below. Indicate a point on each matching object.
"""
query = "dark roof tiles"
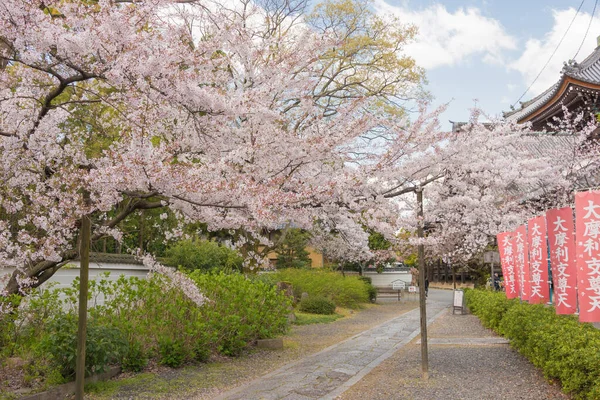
(587, 71)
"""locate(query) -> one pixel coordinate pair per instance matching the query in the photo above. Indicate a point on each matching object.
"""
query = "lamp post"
(84, 257)
(422, 304)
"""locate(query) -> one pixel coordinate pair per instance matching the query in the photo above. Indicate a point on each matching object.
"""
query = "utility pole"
(422, 305)
(84, 264)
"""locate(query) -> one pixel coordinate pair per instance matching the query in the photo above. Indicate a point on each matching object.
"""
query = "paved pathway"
(330, 372)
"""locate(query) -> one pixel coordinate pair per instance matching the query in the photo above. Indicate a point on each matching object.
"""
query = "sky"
(488, 52)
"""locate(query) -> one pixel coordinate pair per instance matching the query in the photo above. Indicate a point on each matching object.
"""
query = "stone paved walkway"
(327, 374)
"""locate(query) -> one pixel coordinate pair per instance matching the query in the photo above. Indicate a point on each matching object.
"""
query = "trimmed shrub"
(561, 346)
(317, 305)
(349, 291)
(490, 307)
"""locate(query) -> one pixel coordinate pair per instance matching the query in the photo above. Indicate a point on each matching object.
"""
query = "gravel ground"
(208, 380)
(455, 371)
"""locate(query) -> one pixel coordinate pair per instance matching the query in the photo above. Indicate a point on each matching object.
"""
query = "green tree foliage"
(378, 242)
(291, 249)
(203, 255)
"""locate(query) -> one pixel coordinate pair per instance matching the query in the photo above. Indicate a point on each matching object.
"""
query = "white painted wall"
(64, 276)
(385, 279)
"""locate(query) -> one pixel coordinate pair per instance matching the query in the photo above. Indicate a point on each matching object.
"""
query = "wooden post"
(422, 305)
(84, 256)
(453, 278)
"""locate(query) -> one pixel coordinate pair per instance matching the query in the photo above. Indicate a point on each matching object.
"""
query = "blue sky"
(491, 50)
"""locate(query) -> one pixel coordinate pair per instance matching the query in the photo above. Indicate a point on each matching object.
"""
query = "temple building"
(578, 88)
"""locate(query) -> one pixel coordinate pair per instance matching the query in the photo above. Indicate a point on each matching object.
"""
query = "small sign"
(459, 301)
(412, 289)
(491, 257)
(399, 285)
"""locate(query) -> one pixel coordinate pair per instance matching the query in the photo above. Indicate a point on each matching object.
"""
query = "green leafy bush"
(317, 305)
(560, 345)
(104, 345)
(148, 311)
(8, 324)
(172, 352)
(134, 359)
(241, 310)
(139, 319)
(489, 307)
(371, 290)
(347, 291)
(203, 255)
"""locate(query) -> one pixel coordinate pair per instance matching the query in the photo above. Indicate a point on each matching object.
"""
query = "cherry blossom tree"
(234, 114)
(483, 178)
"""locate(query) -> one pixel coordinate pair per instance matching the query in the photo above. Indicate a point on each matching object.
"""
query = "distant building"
(577, 88)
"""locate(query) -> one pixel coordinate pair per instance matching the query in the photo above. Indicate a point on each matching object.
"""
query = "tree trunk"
(453, 278)
(141, 237)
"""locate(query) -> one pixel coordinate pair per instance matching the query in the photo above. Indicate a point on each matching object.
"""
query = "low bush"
(562, 347)
(317, 305)
(241, 310)
(104, 345)
(135, 359)
(132, 320)
(371, 290)
(490, 307)
(349, 291)
(172, 352)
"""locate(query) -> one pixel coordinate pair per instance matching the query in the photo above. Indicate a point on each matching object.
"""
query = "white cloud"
(537, 51)
(447, 38)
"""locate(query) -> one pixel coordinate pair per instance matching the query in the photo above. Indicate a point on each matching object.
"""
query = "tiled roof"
(586, 71)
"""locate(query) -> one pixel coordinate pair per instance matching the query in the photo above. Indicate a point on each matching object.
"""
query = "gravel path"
(326, 374)
(459, 371)
(207, 381)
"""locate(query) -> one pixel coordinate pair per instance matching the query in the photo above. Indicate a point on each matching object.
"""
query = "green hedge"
(317, 305)
(347, 291)
(562, 347)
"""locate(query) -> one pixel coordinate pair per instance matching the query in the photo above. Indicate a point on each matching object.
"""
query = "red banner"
(538, 261)
(522, 261)
(587, 228)
(507, 261)
(561, 238)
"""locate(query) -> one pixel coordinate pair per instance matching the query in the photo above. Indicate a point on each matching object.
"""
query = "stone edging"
(67, 389)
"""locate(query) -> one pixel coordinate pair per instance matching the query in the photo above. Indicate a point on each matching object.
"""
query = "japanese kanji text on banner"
(538, 261)
(507, 260)
(561, 238)
(522, 260)
(587, 226)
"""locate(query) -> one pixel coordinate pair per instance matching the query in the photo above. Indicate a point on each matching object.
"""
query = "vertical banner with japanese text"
(507, 261)
(522, 261)
(538, 261)
(587, 232)
(561, 239)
